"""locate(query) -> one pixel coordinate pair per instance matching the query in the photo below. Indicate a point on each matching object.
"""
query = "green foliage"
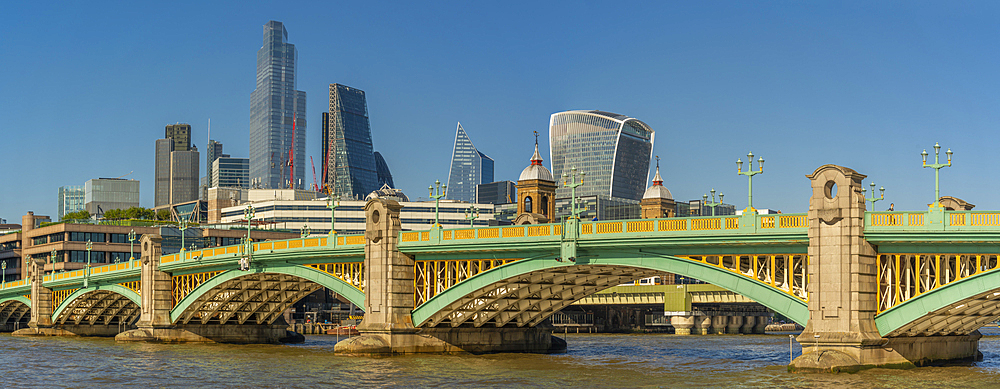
(133, 213)
(78, 215)
(163, 214)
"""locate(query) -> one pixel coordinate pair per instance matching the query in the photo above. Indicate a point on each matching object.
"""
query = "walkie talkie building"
(613, 150)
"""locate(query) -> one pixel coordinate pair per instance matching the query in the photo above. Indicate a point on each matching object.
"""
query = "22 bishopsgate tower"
(277, 155)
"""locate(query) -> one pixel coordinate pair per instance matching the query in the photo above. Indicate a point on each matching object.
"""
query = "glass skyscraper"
(351, 169)
(273, 105)
(382, 171)
(613, 150)
(70, 199)
(469, 168)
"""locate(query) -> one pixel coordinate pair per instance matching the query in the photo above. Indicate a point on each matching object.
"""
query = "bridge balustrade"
(957, 221)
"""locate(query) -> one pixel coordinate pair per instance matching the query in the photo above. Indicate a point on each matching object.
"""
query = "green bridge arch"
(22, 299)
(126, 292)
(773, 298)
(928, 304)
(324, 279)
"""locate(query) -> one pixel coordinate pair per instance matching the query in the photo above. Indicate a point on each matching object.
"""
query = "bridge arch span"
(957, 308)
(525, 292)
(258, 296)
(99, 305)
(14, 310)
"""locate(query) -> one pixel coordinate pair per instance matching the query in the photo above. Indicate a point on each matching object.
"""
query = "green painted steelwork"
(910, 310)
(777, 300)
(22, 299)
(326, 280)
(128, 293)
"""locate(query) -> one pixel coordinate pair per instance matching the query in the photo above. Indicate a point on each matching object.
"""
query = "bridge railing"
(94, 270)
(928, 220)
(699, 225)
(15, 284)
(269, 246)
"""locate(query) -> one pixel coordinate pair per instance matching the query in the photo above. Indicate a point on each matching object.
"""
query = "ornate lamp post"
(573, 184)
(305, 231)
(247, 242)
(471, 215)
(713, 204)
(442, 190)
(332, 204)
(183, 227)
(131, 242)
(4, 267)
(249, 214)
(937, 168)
(750, 173)
(873, 199)
(86, 277)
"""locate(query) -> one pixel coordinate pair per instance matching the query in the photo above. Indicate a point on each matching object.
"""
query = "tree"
(78, 215)
(114, 214)
(162, 214)
(139, 213)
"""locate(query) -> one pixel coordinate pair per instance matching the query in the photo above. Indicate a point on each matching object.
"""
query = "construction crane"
(291, 157)
(315, 188)
(123, 175)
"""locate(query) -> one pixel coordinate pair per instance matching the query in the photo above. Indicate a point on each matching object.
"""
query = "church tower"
(536, 192)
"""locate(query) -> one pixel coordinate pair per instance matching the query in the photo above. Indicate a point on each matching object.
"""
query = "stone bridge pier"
(387, 327)
(841, 334)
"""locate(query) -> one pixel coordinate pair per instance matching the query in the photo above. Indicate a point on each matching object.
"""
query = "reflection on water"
(638, 361)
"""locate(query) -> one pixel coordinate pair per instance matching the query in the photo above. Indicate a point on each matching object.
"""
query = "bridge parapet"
(934, 219)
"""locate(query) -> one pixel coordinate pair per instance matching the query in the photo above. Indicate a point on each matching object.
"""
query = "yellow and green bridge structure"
(871, 288)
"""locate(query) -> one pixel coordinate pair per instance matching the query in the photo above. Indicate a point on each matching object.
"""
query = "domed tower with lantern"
(536, 192)
(657, 202)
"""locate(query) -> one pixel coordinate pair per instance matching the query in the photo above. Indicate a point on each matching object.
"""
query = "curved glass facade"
(613, 150)
(469, 168)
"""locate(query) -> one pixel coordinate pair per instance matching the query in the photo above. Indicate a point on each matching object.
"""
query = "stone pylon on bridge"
(841, 334)
(387, 327)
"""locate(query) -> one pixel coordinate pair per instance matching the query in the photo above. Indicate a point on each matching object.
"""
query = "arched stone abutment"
(959, 308)
(104, 310)
(525, 292)
(14, 313)
(257, 296)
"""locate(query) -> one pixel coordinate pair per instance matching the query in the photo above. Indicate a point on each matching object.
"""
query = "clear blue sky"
(87, 87)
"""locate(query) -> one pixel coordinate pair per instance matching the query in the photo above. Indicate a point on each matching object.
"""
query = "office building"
(325, 146)
(230, 173)
(104, 194)
(348, 151)
(613, 150)
(469, 168)
(214, 151)
(382, 172)
(294, 211)
(180, 133)
(70, 199)
(176, 173)
(500, 192)
(274, 104)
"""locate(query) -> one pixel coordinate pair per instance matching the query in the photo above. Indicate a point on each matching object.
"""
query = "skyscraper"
(469, 167)
(70, 199)
(273, 106)
(104, 194)
(214, 152)
(382, 171)
(176, 168)
(229, 173)
(351, 167)
(180, 133)
(613, 150)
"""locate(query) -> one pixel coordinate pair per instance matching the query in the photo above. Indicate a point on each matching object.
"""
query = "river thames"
(600, 360)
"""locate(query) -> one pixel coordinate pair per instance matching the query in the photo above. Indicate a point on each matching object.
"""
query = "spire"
(537, 158)
(657, 180)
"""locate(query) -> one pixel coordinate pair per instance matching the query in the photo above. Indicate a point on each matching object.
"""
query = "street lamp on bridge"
(332, 204)
(937, 168)
(86, 277)
(471, 215)
(873, 199)
(572, 184)
(183, 227)
(713, 204)
(4, 267)
(131, 242)
(442, 190)
(750, 173)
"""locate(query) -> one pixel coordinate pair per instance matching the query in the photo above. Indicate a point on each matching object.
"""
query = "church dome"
(536, 171)
(657, 191)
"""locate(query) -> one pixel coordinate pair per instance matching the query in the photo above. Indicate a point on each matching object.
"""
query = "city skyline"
(800, 85)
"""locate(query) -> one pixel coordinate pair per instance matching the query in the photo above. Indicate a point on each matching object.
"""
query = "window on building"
(527, 204)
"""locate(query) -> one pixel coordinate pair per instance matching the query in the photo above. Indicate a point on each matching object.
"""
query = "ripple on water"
(598, 360)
